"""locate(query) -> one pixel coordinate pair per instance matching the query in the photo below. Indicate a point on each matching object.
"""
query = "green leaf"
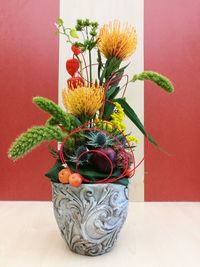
(112, 92)
(53, 172)
(60, 22)
(93, 175)
(123, 68)
(73, 33)
(111, 66)
(108, 110)
(100, 64)
(90, 173)
(130, 113)
(53, 151)
(87, 173)
(155, 77)
(122, 181)
(117, 78)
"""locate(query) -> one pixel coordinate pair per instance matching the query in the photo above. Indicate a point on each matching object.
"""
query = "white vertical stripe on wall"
(103, 11)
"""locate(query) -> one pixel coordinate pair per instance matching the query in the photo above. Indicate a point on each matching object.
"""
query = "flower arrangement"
(94, 147)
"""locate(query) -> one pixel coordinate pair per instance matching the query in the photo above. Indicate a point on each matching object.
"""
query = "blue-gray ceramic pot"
(91, 216)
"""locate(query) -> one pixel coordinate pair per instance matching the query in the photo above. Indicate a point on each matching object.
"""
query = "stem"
(81, 65)
(68, 39)
(87, 32)
(90, 65)
(86, 70)
(83, 36)
(90, 123)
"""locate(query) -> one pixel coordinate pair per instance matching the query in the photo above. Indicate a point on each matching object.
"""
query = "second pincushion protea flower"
(117, 41)
(83, 102)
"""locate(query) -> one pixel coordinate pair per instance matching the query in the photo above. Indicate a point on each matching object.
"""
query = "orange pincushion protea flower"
(117, 41)
(84, 101)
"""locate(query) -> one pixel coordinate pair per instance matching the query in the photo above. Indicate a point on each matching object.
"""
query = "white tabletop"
(154, 235)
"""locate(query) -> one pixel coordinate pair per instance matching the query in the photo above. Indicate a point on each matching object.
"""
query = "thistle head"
(99, 139)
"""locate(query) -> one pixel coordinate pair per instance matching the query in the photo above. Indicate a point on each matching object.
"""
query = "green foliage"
(118, 75)
(108, 110)
(99, 139)
(52, 174)
(100, 63)
(130, 113)
(90, 174)
(36, 135)
(112, 92)
(69, 145)
(155, 77)
(68, 121)
(32, 138)
(122, 181)
(110, 67)
(112, 72)
(53, 151)
(81, 24)
(73, 33)
(51, 122)
(59, 22)
(89, 32)
(84, 158)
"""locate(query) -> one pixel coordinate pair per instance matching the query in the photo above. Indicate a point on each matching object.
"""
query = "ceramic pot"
(91, 216)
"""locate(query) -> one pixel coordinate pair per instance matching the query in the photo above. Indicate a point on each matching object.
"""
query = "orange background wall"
(29, 67)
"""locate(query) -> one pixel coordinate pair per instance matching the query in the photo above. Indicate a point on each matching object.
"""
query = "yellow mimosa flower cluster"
(118, 117)
(117, 120)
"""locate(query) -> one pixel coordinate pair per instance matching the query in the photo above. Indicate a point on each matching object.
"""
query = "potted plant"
(95, 156)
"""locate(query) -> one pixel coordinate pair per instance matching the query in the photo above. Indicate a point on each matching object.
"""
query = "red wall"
(28, 67)
(172, 47)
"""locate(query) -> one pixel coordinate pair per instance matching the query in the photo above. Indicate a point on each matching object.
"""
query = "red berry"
(129, 172)
(76, 50)
(75, 179)
(72, 66)
(63, 175)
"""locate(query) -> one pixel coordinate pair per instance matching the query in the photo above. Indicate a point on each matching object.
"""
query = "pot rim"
(89, 185)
